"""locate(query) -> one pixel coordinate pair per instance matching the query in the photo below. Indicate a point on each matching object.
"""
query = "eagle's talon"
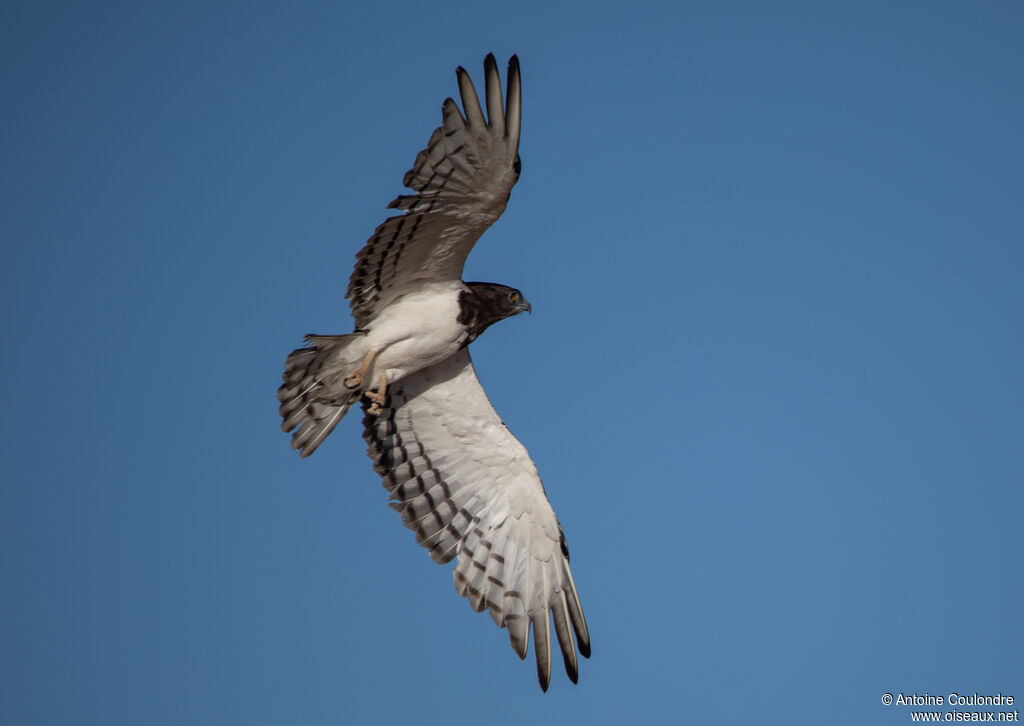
(378, 396)
(376, 404)
(355, 380)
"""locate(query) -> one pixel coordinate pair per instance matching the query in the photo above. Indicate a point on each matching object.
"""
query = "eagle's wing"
(468, 489)
(463, 179)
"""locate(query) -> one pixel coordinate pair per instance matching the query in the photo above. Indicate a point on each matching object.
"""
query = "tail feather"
(313, 395)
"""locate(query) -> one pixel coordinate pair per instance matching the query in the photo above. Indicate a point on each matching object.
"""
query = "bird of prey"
(461, 481)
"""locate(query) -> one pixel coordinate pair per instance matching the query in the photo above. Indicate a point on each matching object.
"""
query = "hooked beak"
(522, 305)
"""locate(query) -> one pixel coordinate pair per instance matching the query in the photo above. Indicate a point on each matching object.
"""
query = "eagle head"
(482, 304)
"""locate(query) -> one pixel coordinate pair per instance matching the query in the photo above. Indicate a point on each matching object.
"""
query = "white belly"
(417, 330)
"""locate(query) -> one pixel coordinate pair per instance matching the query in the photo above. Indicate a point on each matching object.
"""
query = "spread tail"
(314, 397)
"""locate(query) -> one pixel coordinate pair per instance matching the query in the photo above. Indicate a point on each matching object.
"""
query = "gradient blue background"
(773, 378)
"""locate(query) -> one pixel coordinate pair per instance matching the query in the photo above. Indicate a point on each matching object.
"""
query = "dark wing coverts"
(462, 179)
(468, 489)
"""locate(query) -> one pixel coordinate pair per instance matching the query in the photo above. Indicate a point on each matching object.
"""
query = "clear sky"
(772, 379)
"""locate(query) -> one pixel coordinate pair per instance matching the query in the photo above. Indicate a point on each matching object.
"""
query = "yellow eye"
(515, 298)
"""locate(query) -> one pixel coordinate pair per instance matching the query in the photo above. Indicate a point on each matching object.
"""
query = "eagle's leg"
(379, 396)
(354, 380)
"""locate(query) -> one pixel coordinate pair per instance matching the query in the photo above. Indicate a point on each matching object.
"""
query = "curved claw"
(379, 396)
(355, 380)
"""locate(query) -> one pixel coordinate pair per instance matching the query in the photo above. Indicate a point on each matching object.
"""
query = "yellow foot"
(355, 380)
(379, 397)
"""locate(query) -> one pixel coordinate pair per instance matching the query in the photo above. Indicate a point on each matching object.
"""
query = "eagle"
(459, 478)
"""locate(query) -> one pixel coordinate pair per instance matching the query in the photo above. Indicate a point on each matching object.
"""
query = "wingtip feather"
(513, 103)
(470, 101)
(542, 647)
(579, 622)
(492, 84)
(560, 614)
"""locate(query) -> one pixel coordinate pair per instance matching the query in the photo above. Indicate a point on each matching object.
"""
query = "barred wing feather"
(463, 180)
(469, 490)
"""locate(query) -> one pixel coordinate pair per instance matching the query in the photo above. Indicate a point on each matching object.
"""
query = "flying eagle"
(461, 481)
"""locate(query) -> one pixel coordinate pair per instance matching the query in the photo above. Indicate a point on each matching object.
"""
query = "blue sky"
(772, 380)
